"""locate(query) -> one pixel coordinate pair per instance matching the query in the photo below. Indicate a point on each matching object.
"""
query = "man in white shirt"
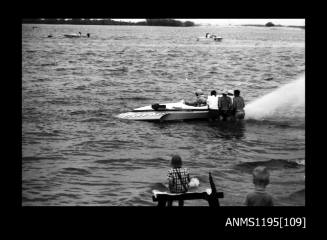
(212, 102)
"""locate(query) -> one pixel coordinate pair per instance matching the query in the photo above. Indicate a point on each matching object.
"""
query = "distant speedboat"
(210, 37)
(216, 39)
(76, 35)
(73, 35)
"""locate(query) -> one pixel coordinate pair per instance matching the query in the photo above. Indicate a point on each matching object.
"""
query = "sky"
(233, 21)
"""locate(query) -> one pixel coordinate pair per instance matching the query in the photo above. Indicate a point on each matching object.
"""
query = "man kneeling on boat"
(200, 99)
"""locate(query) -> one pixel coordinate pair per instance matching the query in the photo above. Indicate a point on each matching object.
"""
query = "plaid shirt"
(174, 181)
(224, 103)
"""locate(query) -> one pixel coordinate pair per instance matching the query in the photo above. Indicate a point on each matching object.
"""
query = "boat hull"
(75, 36)
(164, 115)
(216, 39)
(176, 116)
(172, 112)
(72, 36)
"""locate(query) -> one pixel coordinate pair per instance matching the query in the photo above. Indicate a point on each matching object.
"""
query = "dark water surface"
(76, 152)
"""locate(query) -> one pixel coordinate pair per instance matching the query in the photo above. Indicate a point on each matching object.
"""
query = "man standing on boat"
(200, 99)
(225, 105)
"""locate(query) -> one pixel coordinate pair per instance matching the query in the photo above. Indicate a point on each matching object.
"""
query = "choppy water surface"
(75, 152)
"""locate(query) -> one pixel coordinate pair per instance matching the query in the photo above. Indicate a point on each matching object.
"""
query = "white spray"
(287, 101)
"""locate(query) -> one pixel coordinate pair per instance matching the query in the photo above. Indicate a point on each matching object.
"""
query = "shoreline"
(109, 22)
(260, 25)
(99, 24)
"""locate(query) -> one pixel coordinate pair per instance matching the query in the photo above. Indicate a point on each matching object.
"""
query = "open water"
(76, 152)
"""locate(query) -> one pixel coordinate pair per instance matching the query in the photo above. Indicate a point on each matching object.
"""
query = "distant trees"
(269, 24)
(82, 21)
(108, 21)
(168, 22)
(188, 24)
(163, 22)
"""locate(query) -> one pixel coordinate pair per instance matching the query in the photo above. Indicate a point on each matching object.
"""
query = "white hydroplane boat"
(77, 35)
(215, 39)
(169, 112)
(166, 112)
(73, 35)
(210, 37)
(173, 112)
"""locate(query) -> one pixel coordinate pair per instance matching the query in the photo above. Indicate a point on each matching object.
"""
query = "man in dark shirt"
(225, 105)
(238, 105)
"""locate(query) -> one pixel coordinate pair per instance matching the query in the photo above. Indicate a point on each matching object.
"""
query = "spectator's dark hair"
(237, 93)
(261, 176)
(176, 161)
(213, 92)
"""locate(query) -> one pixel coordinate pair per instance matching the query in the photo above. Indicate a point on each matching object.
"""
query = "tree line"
(108, 21)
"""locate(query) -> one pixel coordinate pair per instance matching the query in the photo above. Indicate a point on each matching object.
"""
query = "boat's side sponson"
(142, 116)
(172, 110)
(185, 115)
(164, 115)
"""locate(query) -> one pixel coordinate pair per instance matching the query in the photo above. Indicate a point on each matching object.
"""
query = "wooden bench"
(210, 195)
(163, 197)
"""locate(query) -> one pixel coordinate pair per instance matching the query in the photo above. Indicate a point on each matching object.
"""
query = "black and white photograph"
(163, 112)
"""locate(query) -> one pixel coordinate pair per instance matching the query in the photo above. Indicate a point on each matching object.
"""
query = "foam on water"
(288, 101)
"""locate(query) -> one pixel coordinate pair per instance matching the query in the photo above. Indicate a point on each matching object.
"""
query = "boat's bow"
(142, 116)
(166, 112)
